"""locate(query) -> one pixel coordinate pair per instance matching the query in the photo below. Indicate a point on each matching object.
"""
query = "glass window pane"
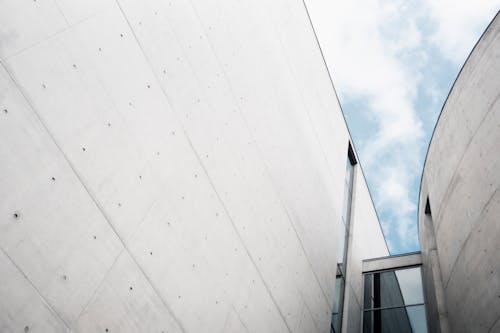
(339, 291)
(416, 313)
(389, 292)
(410, 282)
(385, 291)
(334, 327)
(386, 321)
(394, 288)
(341, 243)
(409, 319)
(345, 206)
(348, 171)
(368, 290)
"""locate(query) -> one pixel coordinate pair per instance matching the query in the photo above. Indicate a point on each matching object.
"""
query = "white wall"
(198, 153)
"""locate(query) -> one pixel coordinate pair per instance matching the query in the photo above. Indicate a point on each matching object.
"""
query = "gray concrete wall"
(170, 166)
(461, 239)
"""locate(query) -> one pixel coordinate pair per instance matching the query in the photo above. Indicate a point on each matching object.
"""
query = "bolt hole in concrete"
(16, 215)
(5, 110)
(131, 288)
(53, 178)
(26, 328)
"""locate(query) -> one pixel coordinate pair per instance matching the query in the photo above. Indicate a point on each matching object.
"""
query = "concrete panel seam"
(61, 12)
(87, 189)
(239, 318)
(52, 310)
(259, 154)
(468, 236)
(494, 323)
(449, 187)
(303, 102)
(327, 162)
(309, 311)
(99, 285)
(36, 43)
(323, 151)
(219, 198)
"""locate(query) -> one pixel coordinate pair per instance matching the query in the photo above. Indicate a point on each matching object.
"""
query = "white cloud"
(377, 51)
(364, 53)
(460, 24)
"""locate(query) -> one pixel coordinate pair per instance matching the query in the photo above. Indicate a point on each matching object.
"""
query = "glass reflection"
(387, 321)
(409, 319)
(394, 302)
(410, 282)
(416, 313)
(393, 288)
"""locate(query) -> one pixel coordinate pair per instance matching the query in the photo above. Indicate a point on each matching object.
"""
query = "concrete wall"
(461, 238)
(366, 241)
(170, 166)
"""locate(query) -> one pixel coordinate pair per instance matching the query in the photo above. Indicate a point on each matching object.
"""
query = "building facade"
(459, 210)
(175, 166)
(184, 166)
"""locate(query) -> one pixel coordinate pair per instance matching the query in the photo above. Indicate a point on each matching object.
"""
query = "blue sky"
(393, 63)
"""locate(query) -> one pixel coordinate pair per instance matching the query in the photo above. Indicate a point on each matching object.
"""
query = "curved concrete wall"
(170, 166)
(461, 238)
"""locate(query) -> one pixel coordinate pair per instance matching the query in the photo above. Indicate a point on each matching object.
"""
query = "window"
(344, 224)
(394, 302)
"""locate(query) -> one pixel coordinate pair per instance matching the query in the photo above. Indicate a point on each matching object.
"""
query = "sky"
(393, 63)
